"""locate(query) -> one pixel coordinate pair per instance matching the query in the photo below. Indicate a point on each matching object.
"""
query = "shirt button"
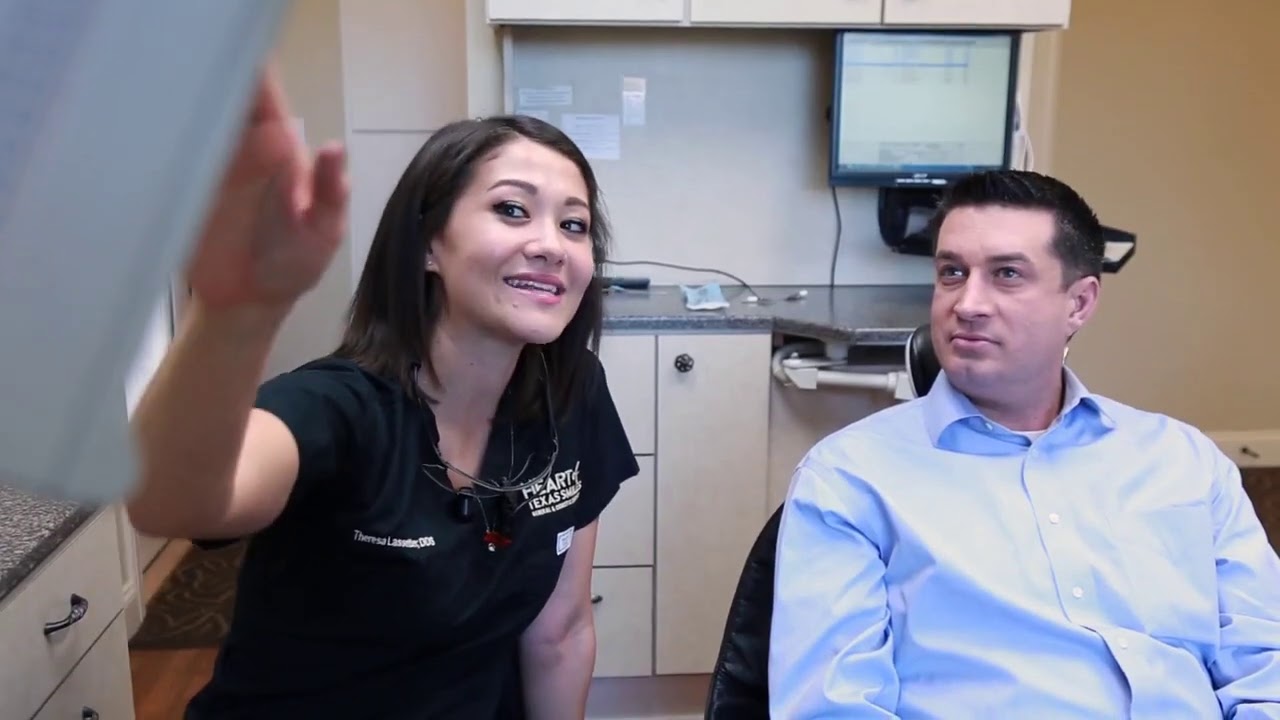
(987, 425)
(1124, 644)
(1077, 592)
(1054, 518)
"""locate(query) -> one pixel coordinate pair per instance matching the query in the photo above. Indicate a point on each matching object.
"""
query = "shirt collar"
(945, 407)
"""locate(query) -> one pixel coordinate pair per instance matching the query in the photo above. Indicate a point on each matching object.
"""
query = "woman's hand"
(277, 218)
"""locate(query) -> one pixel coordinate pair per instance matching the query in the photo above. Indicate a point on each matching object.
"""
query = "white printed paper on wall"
(598, 136)
(633, 97)
(543, 115)
(554, 96)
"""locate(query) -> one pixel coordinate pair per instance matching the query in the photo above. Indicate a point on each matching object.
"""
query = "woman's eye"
(510, 209)
(574, 226)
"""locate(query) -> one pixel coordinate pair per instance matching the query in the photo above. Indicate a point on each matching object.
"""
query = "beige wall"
(1166, 120)
(309, 56)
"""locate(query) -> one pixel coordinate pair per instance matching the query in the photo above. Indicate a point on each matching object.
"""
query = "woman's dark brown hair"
(397, 303)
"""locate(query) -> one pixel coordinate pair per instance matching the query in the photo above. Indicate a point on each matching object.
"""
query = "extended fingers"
(329, 192)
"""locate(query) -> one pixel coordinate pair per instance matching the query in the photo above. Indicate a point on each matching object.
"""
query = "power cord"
(690, 268)
(835, 251)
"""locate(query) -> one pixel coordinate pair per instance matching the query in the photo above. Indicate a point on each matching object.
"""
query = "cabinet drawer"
(624, 621)
(629, 364)
(100, 686)
(626, 526)
(84, 573)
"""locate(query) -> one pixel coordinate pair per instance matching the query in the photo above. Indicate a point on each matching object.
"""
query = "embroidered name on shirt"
(557, 493)
(416, 543)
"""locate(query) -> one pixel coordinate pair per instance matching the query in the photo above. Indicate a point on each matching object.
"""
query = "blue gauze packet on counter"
(704, 297)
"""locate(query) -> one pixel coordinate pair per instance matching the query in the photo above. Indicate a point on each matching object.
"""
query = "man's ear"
(1083, 299)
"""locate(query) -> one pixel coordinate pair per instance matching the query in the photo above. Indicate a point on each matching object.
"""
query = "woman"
(421, 504)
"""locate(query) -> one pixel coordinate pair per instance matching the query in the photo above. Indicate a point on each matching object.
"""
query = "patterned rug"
(192, 609)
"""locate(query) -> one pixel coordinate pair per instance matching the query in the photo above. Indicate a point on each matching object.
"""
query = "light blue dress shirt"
(932, 564)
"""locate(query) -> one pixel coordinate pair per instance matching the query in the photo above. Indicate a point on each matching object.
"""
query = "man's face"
(1001, 317)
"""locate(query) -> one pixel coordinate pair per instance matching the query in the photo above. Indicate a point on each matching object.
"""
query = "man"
(1012, 545)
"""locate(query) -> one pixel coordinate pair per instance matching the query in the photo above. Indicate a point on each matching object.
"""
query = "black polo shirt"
(368, 598)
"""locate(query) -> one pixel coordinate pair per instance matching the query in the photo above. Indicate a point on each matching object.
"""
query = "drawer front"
(624, 621)
(83, 574)
(629, 363)
(626, 526)
(100, 686)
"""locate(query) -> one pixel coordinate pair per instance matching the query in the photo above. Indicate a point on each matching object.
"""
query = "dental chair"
(739, 682)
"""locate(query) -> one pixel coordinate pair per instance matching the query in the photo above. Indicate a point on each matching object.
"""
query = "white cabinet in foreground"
(712, 476)
(696, 407)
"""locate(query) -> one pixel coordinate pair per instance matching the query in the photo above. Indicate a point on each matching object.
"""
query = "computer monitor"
(919, 109)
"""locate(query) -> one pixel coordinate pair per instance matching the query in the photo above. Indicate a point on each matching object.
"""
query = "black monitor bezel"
(846, 178)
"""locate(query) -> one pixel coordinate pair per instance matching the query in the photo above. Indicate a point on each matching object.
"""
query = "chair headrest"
(922, 361)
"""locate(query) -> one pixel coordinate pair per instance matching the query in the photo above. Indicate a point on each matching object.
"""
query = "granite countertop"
(31, 529)
(858, 315)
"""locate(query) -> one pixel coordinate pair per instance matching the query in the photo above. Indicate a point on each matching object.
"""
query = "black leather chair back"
(740, 680)
(922, 361)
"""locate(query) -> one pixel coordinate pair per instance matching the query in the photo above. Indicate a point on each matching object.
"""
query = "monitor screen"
(921, 108)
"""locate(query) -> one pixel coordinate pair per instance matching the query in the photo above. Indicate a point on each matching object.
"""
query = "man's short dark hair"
(1078, 242)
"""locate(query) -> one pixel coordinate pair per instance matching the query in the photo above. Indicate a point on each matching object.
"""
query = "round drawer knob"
(684, 363)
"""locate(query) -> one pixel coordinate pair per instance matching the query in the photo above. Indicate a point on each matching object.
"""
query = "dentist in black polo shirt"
(421, 504)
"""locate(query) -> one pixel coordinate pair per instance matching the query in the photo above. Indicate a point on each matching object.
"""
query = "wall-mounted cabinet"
(643, 12)
(1028, 14)
(780, 13)
(986, 13)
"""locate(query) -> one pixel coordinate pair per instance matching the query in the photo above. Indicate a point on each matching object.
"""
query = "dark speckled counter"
(858, 315)
(31, 528)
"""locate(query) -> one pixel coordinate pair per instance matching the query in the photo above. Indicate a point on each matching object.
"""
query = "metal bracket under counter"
(798, 365)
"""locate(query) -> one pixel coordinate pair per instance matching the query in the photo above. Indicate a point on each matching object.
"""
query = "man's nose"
(974, 300)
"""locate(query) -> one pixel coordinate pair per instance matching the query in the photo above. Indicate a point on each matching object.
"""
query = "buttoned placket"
(1067, 553)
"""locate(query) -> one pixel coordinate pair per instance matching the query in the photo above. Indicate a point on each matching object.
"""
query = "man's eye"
(1008, 273)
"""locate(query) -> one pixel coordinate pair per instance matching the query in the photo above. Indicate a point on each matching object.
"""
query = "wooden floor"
(164, 680)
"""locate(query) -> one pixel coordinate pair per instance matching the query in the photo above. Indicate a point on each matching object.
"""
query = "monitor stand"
(894, 213)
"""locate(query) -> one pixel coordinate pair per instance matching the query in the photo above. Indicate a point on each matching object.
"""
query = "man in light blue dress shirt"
(1012, 545)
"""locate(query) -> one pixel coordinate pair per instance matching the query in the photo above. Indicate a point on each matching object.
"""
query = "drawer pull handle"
(79, 606)
(597, 599)
(88, 713)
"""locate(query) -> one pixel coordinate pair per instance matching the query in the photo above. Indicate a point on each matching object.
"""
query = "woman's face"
(516, 256)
